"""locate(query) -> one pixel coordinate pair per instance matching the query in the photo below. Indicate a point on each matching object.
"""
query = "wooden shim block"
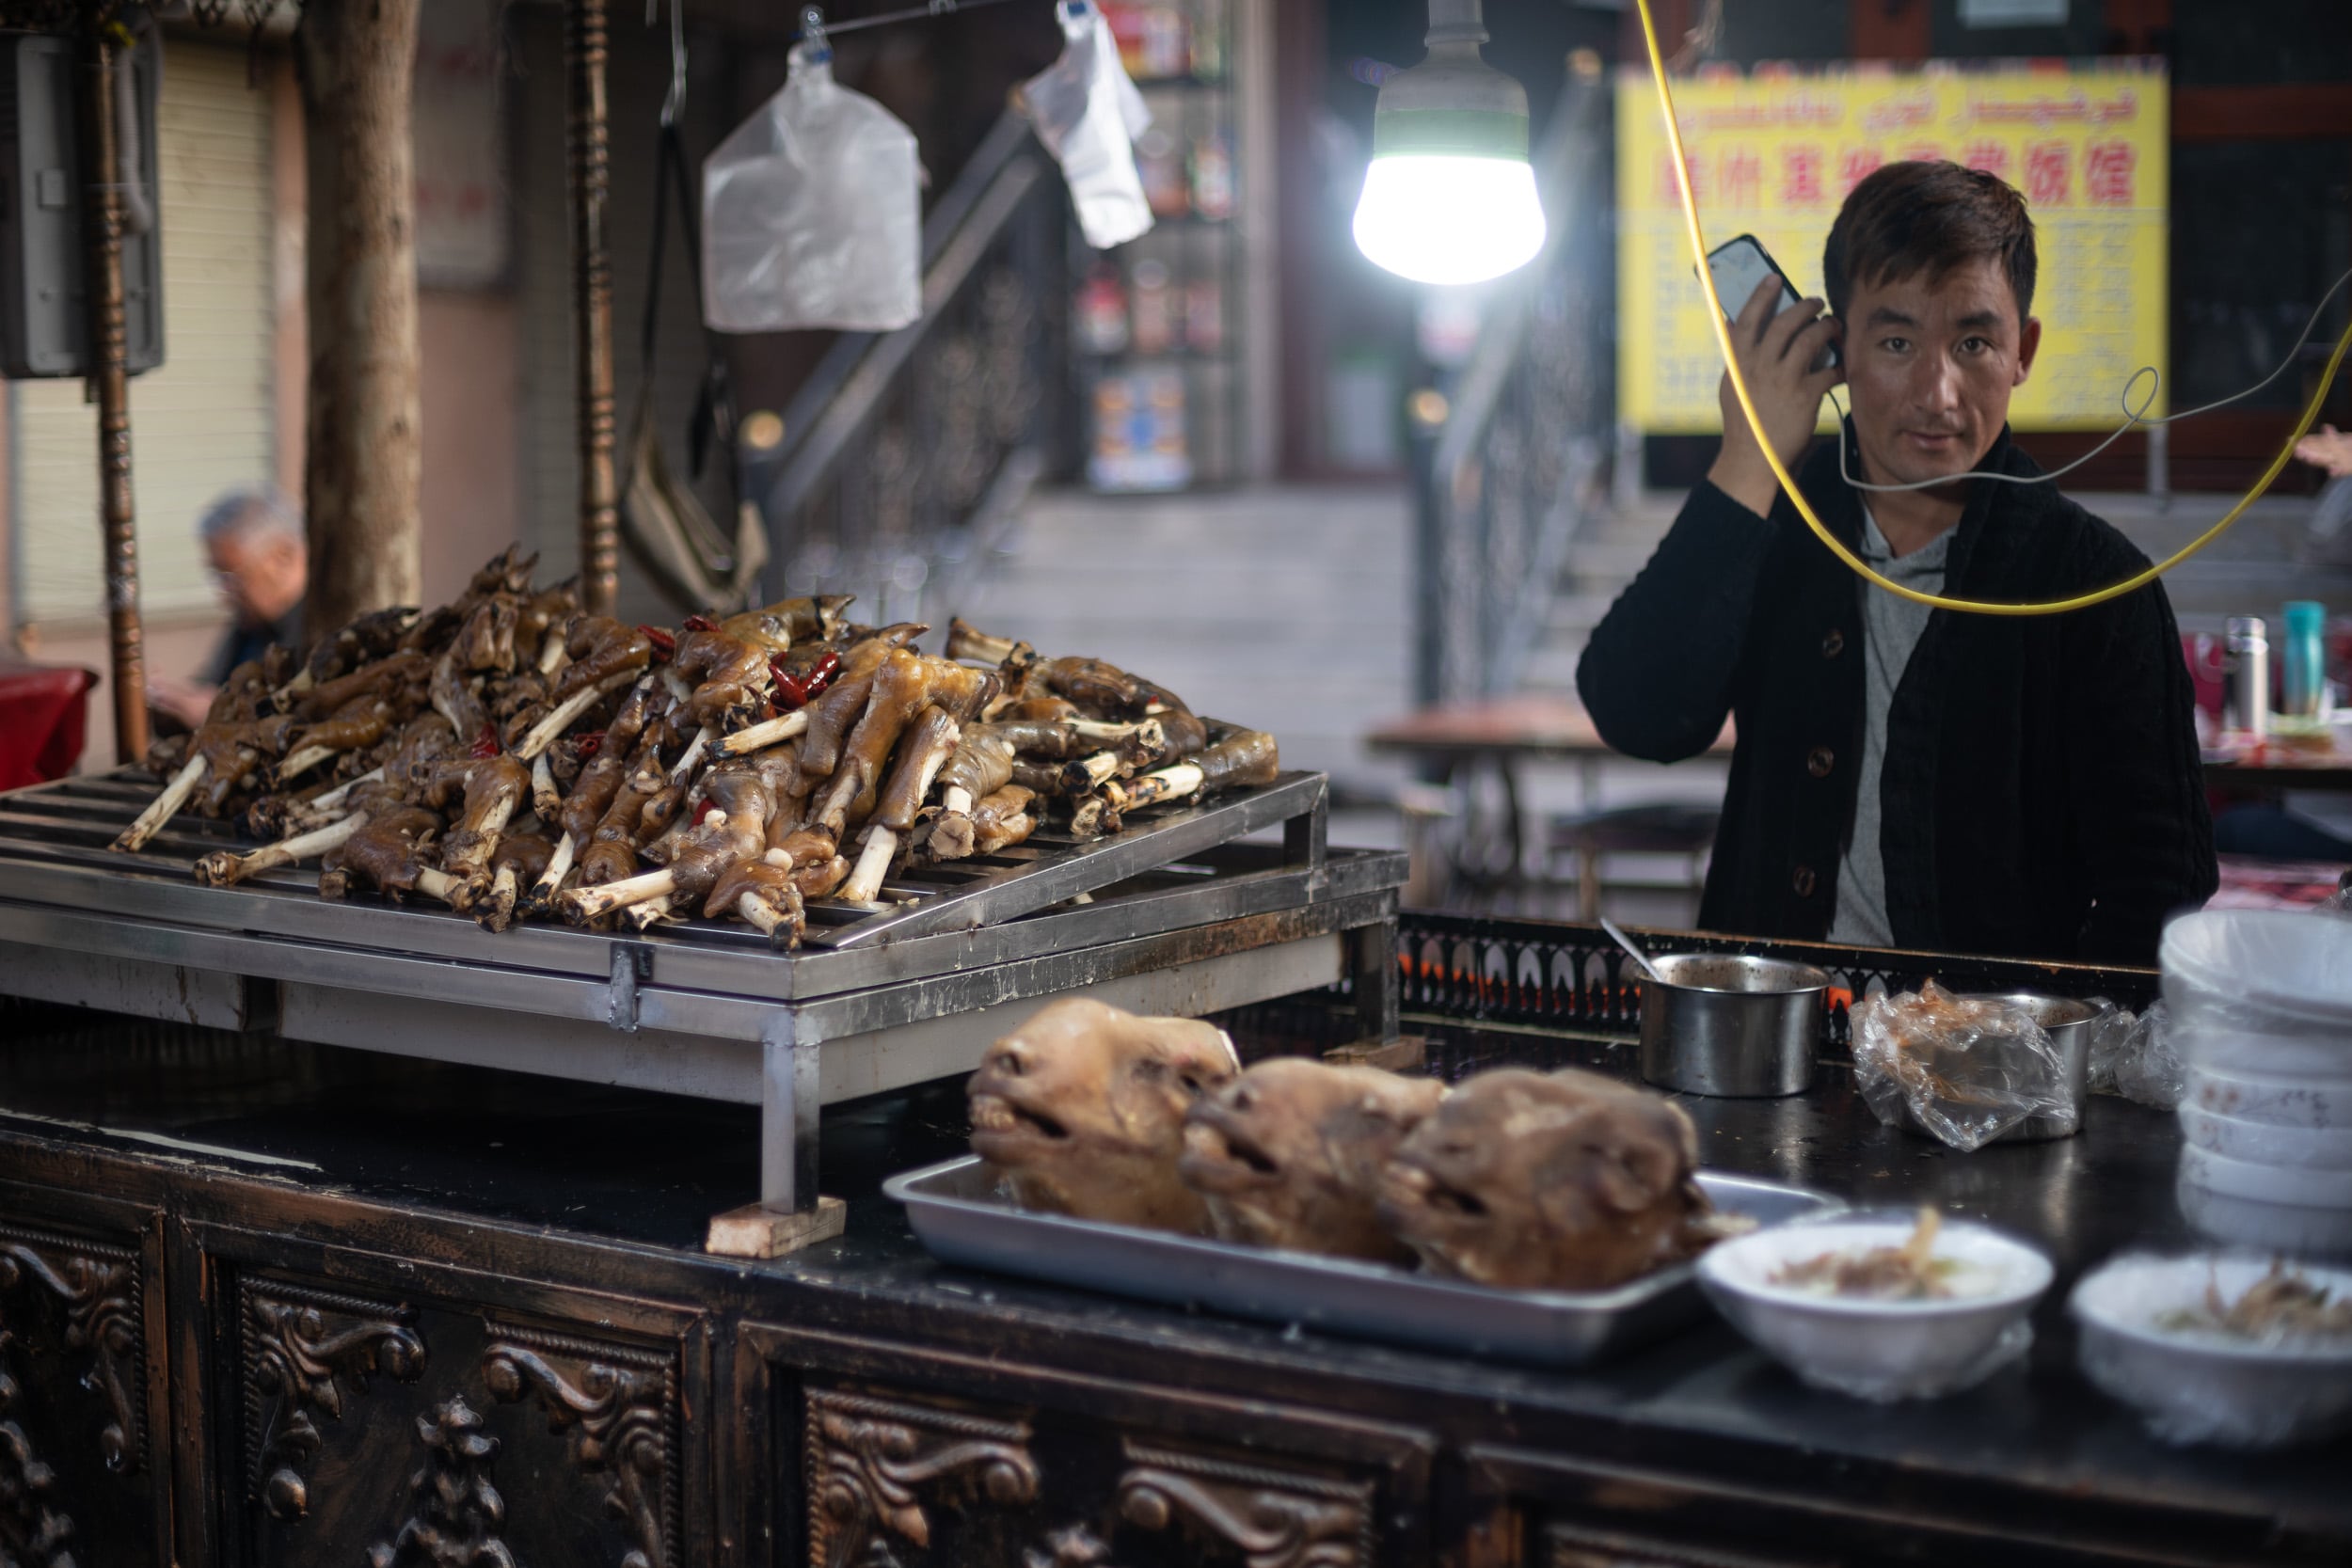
(1405, 1053)
(756, 1230)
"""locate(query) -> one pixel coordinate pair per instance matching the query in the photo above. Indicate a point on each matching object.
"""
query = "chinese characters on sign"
(1774, 153)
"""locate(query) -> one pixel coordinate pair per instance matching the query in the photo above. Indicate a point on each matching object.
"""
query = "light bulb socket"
(1453, 104)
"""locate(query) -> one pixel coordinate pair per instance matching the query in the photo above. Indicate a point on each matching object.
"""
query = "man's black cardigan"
(2041, 795)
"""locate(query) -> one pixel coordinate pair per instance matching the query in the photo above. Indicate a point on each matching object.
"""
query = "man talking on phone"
(1905, 776)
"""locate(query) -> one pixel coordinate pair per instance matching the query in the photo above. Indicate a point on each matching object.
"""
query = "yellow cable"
(1804, 508)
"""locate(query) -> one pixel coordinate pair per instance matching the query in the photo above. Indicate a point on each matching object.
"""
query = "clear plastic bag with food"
(1963, 1069)
(2134, 1057)
(1088, 114)
(812, 212)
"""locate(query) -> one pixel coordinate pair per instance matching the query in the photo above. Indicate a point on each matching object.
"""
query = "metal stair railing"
(1509, 479)
(906, 453)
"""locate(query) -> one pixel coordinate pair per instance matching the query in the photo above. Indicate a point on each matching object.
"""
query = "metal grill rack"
(1181, 914)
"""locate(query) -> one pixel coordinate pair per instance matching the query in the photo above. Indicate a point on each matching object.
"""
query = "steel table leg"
(789, 1214)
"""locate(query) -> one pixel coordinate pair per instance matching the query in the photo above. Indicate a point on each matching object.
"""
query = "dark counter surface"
(642, 1174)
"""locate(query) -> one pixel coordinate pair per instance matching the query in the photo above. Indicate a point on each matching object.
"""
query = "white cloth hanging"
(812, 212)
(1088, 113)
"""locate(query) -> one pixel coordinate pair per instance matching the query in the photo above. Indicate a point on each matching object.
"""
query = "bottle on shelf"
(1204, 316)
(1166, 50)
(1208, 40)
(1212, 176)
(1154, 309)
(1101, 312)
(1160, 159)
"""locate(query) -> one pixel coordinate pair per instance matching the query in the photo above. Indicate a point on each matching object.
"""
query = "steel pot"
(2067, 1023)
(1731, 1025)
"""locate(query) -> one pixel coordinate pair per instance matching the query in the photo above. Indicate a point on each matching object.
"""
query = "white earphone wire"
(2133, 418)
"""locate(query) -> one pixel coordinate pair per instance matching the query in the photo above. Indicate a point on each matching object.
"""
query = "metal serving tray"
(957, 1210)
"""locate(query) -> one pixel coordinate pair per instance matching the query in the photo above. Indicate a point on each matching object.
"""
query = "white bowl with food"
(1882, 1307)
(2222, 1348)
(2280, 1101)
(2267, 1143)
(2265, 1183)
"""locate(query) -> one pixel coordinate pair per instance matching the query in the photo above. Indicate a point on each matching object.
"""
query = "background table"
(1502, 734)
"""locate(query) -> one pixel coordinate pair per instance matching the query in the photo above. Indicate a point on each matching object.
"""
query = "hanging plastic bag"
(1088, 114)
(812, 212)
(1964, 1069)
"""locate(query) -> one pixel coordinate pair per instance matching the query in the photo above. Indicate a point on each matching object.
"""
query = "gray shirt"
(1891, 628)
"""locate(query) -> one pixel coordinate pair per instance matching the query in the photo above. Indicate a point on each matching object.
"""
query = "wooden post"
(110, 380)
(592, 263)
(364, 460)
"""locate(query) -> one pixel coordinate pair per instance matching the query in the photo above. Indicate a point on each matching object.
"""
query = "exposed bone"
(543, 891)
(767, 733)
(583, 903)
(551, 655)
(163, 806)
(496, 907)
(1162, 785)
(693, 754)
(304, 760)
(646, 916)
(1148, 731)
(441, 884)
(336, 796)
(752, 908)
(545, 798)
(873, 865)
(560, 717)
(955, 802)
(223, 868)
(1086, 772)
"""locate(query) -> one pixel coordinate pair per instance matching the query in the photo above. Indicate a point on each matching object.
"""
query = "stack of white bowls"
(2261, 1005)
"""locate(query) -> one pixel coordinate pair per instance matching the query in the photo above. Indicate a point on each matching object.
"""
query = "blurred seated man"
(260, 564)
(2305, 825)
(2329, 541)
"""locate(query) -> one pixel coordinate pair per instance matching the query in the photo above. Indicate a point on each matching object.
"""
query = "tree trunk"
(364, 464)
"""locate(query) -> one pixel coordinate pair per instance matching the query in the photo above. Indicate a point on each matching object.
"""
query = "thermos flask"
(2248, 707)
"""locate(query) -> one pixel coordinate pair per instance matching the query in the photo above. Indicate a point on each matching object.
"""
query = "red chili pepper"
(800, 692)
(485, 744)
(664, 644)
(701, 623)
(586, 746)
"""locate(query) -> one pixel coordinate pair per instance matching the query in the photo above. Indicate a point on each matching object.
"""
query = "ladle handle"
(1617, 934)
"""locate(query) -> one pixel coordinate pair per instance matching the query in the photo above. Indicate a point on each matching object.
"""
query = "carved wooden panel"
(306, 1354)
(414, 1430)
(617, 1408)
(877, 1469)
(894, 1482)
(77, 1482)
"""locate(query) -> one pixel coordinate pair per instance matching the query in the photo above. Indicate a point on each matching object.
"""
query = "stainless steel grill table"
(1177, 914)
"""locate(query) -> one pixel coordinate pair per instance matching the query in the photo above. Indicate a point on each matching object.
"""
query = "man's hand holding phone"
(1775, 354)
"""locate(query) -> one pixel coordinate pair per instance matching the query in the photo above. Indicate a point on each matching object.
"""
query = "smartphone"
(1741, 263)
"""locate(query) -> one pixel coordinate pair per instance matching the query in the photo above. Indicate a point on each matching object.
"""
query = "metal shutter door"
(204, 421)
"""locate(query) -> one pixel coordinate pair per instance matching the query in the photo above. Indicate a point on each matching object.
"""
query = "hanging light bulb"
(1450, 197)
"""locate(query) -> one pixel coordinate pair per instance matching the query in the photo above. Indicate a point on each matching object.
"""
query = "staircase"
(1285, 609)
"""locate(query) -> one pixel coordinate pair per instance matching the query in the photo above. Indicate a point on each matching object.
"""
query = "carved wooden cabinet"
(84, 1477)
(879, 1454)
(380, 1411)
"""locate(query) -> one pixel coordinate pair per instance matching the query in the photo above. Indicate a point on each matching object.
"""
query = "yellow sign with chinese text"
(1774, 153)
